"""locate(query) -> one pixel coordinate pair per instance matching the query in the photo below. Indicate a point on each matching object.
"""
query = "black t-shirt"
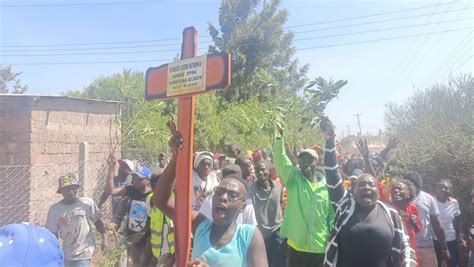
(365, 244)
(137, 212)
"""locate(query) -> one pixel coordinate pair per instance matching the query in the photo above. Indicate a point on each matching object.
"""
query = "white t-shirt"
(427, 207)
(447, 212)
(245, 217)
(202, 189)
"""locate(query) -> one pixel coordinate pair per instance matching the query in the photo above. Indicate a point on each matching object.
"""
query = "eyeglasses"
(231, 194)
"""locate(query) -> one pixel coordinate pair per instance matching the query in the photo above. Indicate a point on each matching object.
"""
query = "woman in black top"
(366, 233)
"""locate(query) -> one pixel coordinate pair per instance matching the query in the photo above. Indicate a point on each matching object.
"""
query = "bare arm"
(439, 232)
(336, 190)
(109, 184)
(457, 223)
(364, 151)
(392, 143)
(99, 225)
(256, 253)
(103, 198)
(162, 191)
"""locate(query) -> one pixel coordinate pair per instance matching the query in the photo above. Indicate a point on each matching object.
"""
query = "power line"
(366, 16)
(441, 36)
(462, 64)
(378, 30)
(90, 48)
(420, 49)
(383, 39)
(437, 78)
(173, 39)
(307, 48)
(405, 57)
(100, 43)
(98, 53)
(93, 62)
(448, 58)
(176, 44)
(177, 49)
(378, 21)
(76, 4)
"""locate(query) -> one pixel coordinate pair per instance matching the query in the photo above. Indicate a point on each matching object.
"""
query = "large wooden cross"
(184, 79)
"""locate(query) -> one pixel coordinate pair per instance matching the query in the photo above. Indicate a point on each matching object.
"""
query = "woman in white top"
(450, 221)
(204, 178)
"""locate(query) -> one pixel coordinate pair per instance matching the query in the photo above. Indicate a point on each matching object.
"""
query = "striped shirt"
(344, 204)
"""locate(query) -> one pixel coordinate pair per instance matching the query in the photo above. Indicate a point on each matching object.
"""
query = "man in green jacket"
(308, 215)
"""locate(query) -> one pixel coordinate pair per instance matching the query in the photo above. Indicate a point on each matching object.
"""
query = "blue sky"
(427, 44)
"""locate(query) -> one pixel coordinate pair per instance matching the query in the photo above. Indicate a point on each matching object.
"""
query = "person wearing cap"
(25, 244)
(204, 178)
(309, 216)
(70, 220)
(137, 225)
(126, 167)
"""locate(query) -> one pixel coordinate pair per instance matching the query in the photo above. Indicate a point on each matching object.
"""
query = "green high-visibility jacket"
(157, 221)
(309, 215)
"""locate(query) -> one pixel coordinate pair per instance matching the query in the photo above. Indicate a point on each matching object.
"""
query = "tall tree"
(10, 82)
(252, 31)
(437, 134)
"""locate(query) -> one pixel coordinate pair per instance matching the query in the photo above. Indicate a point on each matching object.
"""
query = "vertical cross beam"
(184, 165)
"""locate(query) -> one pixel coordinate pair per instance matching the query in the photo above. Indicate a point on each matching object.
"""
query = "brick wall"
(61, 135)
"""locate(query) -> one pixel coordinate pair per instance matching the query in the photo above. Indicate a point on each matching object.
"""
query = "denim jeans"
(77, 263)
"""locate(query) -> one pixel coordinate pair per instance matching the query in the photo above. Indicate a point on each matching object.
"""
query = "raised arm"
(162, 191)
(109, 184)
(333, 179)
(364, 151)
(282, 163)
(392, 144)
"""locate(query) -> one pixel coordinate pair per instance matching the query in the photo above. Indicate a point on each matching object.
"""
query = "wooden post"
(214, 73)
(184, 165)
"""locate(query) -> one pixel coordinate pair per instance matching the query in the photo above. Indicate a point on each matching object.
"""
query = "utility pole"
(358, 122)
(348, 130)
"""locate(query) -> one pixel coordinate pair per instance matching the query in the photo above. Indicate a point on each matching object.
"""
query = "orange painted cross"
(183, 79)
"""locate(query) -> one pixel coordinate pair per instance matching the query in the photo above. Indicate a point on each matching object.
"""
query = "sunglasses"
(231, 194)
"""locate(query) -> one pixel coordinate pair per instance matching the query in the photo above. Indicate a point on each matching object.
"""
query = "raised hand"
(392, 142)
(111, 161)
(176, 140)
(363, 148)
(197, 262)
(327, 128)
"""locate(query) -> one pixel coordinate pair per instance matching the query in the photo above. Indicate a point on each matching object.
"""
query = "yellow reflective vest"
(157, 221)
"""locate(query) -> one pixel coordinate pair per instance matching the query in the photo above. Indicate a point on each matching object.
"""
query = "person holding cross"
(221, 241)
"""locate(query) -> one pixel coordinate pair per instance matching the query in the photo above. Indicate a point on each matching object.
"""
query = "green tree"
(10, 82)
(253, 33)
(437, 132)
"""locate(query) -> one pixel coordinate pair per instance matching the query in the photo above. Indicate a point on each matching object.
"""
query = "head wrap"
(200, 156)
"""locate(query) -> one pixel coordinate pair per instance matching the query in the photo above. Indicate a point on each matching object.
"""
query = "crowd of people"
(261, 208)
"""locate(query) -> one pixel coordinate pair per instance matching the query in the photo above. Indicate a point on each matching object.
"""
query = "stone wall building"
(44, 137)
